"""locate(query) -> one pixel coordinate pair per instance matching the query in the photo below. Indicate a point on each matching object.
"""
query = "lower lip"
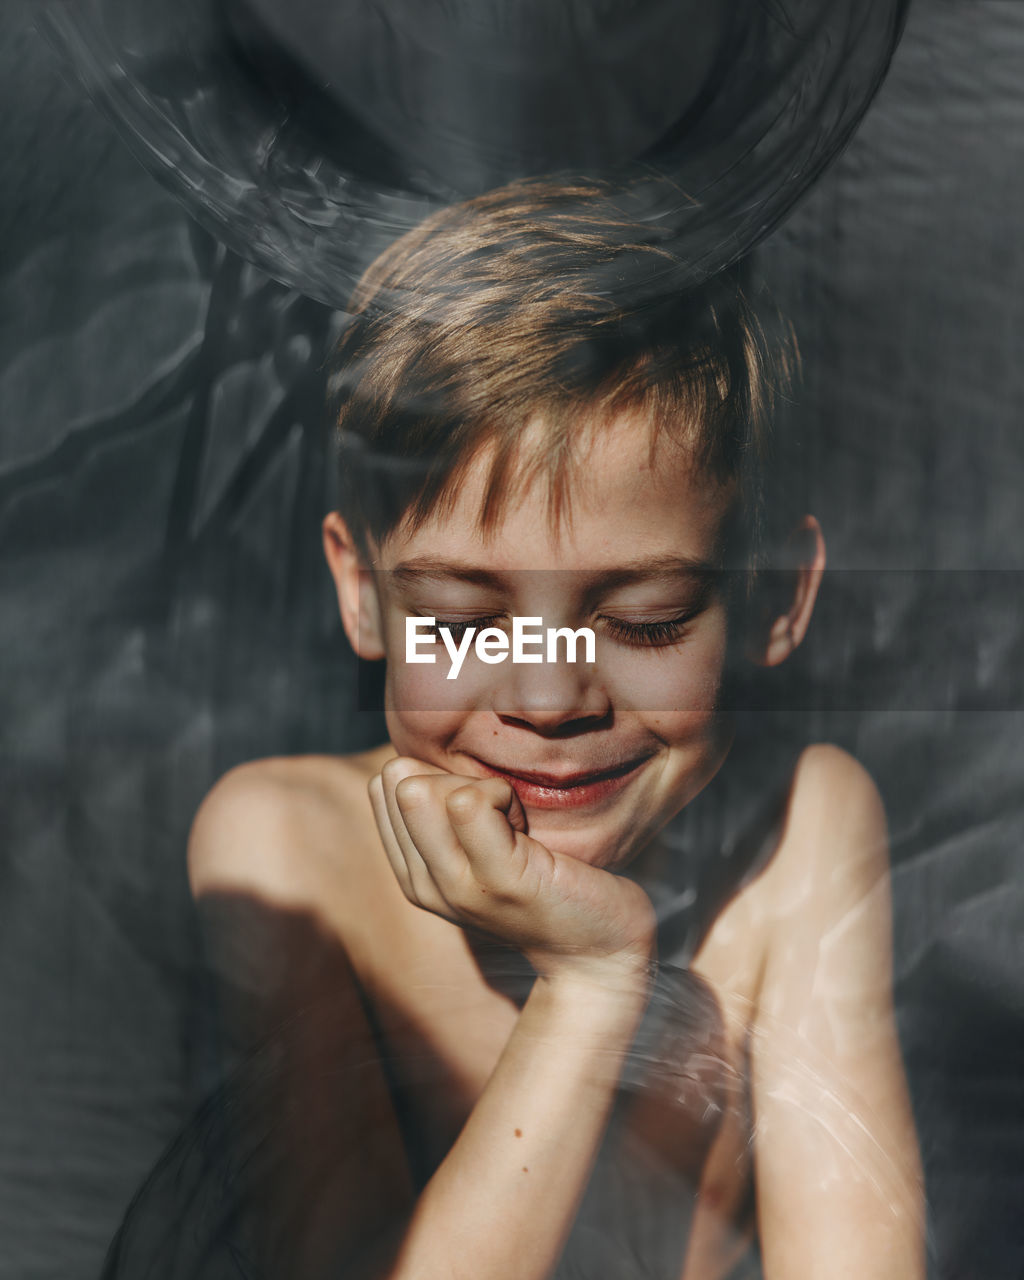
(536, 795)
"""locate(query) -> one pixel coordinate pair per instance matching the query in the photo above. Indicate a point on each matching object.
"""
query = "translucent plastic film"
(697, 956)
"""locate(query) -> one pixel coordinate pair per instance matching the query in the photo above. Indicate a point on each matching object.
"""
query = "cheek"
(419, 702)
(683, 681)
(424, 708)
(421, 708)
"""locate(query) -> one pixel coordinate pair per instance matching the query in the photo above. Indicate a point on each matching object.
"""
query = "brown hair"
(541, 302)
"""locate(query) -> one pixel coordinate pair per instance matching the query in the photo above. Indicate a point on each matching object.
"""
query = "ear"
(358, 601)
(805, 556)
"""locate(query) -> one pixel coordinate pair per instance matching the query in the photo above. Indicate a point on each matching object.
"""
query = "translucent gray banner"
(892, 639)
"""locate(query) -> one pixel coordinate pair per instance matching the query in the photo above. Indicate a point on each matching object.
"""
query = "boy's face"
(602, 755)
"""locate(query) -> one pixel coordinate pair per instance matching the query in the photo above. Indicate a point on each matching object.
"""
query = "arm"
(524, 1157)
(837, 1163)
(335, 1174)
(504, 1199)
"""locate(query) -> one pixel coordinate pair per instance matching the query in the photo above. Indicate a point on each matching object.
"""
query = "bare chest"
(680, 1131)
(681, 1120)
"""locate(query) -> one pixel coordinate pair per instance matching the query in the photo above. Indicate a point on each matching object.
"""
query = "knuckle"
(412, 792)
(464, 802)
(496, 789)
(463, 889)
(393, 770)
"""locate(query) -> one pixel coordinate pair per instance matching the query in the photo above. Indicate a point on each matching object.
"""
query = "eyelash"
(635, 634)
(649, 634)
(459, 629)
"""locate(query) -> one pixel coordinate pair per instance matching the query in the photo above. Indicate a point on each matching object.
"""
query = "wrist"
(630, 966)
(619, 987)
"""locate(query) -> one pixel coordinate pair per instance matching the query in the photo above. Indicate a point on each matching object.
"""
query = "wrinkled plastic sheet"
(165, 615)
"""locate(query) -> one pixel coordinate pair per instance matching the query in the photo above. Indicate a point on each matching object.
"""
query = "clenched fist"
(459, 848)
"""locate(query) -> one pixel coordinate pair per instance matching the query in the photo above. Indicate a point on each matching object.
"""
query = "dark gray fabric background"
(164, 613)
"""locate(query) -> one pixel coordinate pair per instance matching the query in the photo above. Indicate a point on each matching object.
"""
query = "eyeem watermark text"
(529, 641)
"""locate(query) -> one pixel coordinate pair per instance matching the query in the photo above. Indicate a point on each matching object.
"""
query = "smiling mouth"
(567, 790)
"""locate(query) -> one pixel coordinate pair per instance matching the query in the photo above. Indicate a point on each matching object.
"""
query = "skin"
(448, 851)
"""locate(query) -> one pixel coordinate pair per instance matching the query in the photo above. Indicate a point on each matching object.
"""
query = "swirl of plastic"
(308, 137)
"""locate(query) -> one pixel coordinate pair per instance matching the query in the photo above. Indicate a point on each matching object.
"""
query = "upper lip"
(564, 777)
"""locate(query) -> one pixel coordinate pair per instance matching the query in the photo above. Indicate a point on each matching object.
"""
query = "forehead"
(630, 493)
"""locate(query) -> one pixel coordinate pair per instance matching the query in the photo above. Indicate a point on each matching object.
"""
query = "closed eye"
(459, 627)
(649, 634)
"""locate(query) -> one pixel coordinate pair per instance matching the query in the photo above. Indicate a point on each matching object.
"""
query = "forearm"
(503, 1201)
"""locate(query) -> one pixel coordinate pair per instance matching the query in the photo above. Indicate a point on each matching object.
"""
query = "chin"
(599, 848)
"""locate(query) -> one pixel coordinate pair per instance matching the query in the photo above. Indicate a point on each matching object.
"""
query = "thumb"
(502, 797)
(515, 812)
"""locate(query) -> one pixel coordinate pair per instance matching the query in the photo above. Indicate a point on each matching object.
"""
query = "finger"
(393, 776)
(397, 773)
(480, 816)
(515, 813)
(409, 765)
(422, 804)
(392, 848)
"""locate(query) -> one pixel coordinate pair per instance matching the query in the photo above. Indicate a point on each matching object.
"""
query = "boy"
(467, 902)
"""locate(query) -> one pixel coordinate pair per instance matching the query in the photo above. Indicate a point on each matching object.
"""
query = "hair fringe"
(521, 307)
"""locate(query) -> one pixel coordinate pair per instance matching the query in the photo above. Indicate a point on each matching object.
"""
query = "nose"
(551, 697)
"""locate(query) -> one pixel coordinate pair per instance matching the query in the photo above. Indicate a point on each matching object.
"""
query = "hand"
(459, 848)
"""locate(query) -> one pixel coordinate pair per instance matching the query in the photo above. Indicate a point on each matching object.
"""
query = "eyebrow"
(422, 568)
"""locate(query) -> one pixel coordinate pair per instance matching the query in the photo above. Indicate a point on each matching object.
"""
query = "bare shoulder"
(275, 827)
(831, 860)
(835, 821)
(826, 896)
(827, 775)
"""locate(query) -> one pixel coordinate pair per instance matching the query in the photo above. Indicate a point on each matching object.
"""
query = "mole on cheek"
(519, 1133)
